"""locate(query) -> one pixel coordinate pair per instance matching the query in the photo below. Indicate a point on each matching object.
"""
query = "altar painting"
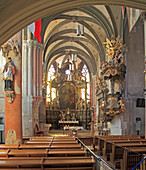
(67, 96)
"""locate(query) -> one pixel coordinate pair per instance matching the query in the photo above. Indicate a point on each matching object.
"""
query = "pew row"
(122, 153)
(43, 153)
(50, 163)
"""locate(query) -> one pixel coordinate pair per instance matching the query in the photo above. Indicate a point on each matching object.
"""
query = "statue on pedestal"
(9, 71)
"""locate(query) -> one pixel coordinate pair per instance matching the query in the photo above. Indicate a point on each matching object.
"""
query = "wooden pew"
(35, 147)
(69, 146)
(66, 152)
(107, 149)
(52, 143)
(130, 159)
(100, 145)
(120, 157)
(129, 144)
(41, 137)
(122, 137)
(27, 153)
(50, 163)
(37, 143)
(140, 149)
(45, 141)
(40, 140)
(43, 153)
(2, 146)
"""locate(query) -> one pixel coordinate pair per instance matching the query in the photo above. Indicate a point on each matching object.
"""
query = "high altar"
(69, 107)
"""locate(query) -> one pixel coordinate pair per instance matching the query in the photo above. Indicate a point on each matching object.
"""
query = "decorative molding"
(11, 45)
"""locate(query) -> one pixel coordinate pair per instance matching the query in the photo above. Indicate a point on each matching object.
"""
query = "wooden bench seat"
(41, 137)
(107, 148)
(123, 152)
(3, 153)
(55, 139)
(122, 137)
(45, 141)
(27, 153)
(138, 149)
(46, 146)
(43, 153)
(37, 143)
(2, 146)
(35, 147)
(60, 146)
(126, 140)
(54, 143)
(52, 162)
(70, 153)
(39, 140)
(63, 137)
(66, 141)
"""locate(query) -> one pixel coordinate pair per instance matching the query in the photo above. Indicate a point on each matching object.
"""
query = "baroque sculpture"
(111, 81)
(9, 71)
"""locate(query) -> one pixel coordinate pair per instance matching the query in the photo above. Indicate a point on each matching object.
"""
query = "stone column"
(24, 68)
(30, 66)
(94, 102)
(34, 69)
(41, 73)
(143, 15)
(13, 109)
(38, 65)
(27, 97)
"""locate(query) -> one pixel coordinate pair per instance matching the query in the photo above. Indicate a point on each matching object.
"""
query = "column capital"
(143, 16)
(35, 43)
(30, 43)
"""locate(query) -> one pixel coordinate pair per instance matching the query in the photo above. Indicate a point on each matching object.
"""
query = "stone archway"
(25, 12)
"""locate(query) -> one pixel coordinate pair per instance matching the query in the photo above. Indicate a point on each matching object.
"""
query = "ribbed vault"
(59, 35)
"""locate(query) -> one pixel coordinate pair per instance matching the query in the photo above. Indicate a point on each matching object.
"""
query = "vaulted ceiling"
(60, 39)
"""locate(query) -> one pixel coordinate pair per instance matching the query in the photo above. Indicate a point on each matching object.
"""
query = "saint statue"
(9, 71)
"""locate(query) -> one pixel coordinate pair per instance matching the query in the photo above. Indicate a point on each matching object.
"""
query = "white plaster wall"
(115, 126)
